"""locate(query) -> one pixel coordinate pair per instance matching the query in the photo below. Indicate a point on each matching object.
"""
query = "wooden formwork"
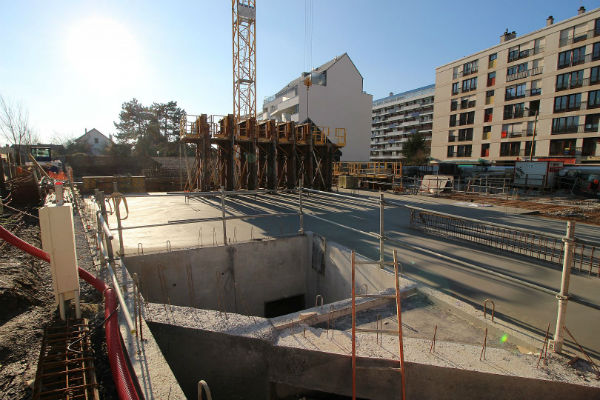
(259, 154)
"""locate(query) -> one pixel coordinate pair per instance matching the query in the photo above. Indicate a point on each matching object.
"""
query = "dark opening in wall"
(284, 306)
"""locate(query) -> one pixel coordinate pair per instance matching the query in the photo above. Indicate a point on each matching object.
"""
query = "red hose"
(118, 365)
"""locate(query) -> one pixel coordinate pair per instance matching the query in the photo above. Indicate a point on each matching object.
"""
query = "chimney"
(581, 10)
(85, 130)
(549, 20)
(506, 36)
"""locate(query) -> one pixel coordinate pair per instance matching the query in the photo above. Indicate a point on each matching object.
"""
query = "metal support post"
(223, 215)
(563, 296)
(101, 202)
(119, 226)
(381, 231)
(301, 213)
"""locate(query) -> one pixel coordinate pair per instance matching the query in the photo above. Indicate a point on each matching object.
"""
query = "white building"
(398, 116)
(96, 140)
(336, 100)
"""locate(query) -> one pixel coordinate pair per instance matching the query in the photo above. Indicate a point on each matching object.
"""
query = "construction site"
(274, 270)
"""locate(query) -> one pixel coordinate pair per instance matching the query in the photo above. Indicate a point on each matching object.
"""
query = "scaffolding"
(259, 154)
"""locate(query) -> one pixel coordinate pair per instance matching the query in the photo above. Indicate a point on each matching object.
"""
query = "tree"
(14, 126)
(415, 150)
(150, 130)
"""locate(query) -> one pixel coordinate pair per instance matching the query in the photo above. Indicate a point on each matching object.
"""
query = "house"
(96, 141)
(334, 100)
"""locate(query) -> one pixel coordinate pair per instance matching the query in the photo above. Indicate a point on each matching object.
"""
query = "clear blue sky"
(73, 63)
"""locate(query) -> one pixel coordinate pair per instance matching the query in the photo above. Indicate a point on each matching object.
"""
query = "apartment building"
(398, 116)
(335, 100)
(537, 96)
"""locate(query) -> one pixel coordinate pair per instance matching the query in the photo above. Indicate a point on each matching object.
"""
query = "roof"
(418, 92)
(321, 68)
(527, 36)
(89, 132)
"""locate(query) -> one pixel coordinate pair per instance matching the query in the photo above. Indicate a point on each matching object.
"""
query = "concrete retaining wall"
(238, 278)
(238, 367)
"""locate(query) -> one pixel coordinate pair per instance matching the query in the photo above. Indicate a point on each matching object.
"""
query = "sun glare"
(103, 54)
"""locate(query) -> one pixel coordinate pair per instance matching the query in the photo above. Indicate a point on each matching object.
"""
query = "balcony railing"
(568, 129)
(580, 106)
(465, 73)
(525, 74)
(524, 54)
(581, 60)
(522, 94)
(580, 37)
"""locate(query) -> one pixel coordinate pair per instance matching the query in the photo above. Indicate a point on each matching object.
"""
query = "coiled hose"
(116, 356)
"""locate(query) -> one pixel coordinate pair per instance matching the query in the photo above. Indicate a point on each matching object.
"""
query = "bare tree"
(14, 126)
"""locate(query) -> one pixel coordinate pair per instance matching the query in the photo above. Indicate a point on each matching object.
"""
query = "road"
(516, 303)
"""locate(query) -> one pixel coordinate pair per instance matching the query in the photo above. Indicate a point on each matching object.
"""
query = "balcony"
(581, 60)
(524, 54)
(580, 106)
(465, 73)
(580, 37)
(579, 83)
(524, 74)
(513, 134)
(522, 94)
(568, 129)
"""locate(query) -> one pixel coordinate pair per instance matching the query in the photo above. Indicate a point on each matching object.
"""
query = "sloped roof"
(89, 132)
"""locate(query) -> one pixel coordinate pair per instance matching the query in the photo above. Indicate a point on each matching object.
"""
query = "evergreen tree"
(415, 150)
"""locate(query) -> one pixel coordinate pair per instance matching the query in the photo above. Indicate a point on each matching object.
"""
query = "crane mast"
(244, 59)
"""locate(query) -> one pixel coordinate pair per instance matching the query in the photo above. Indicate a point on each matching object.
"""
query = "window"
(492, 60)
(591, 122)
(467, 102)
(535, 87)
(470, 67)
(465, 134)
(491, 80)
(455, 88)
(569, 80)
(485, 150)
(464, 150)
(450, 151)
(571, 57)
(528, 151)
(510, 149)
(594, 75)
(515, 92)
(567, 103)
(467, 118)
(487, 131)
(513, 53)
(597, 27)
(565, 125)
(593, 99)
(453, 120)
(453, 105)
(511, 130)
(514, 110)
(469, 84)
(451, 137)
(508, 111)
(489, 97)
(534, 107)
(596, 51)
(488, 114)
(96, 140)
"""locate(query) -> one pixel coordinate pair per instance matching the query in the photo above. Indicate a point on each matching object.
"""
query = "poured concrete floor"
(519, 304)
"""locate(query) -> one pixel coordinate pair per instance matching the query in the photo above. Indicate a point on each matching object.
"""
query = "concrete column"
(563, 296)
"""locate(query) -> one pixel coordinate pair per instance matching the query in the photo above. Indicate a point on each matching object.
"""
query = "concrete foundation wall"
(238, 367)
(238, 278)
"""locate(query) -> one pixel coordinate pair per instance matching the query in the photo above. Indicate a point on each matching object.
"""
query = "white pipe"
(563, 296)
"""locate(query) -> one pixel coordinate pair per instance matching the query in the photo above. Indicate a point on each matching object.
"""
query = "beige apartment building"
(541, 88)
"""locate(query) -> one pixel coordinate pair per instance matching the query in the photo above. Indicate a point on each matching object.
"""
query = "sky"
(72, 64)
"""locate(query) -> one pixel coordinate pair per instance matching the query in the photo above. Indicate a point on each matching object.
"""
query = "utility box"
(348, 182)
(58, 240)
(536, 174)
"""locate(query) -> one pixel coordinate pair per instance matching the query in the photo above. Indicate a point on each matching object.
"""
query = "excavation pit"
(248, 319)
